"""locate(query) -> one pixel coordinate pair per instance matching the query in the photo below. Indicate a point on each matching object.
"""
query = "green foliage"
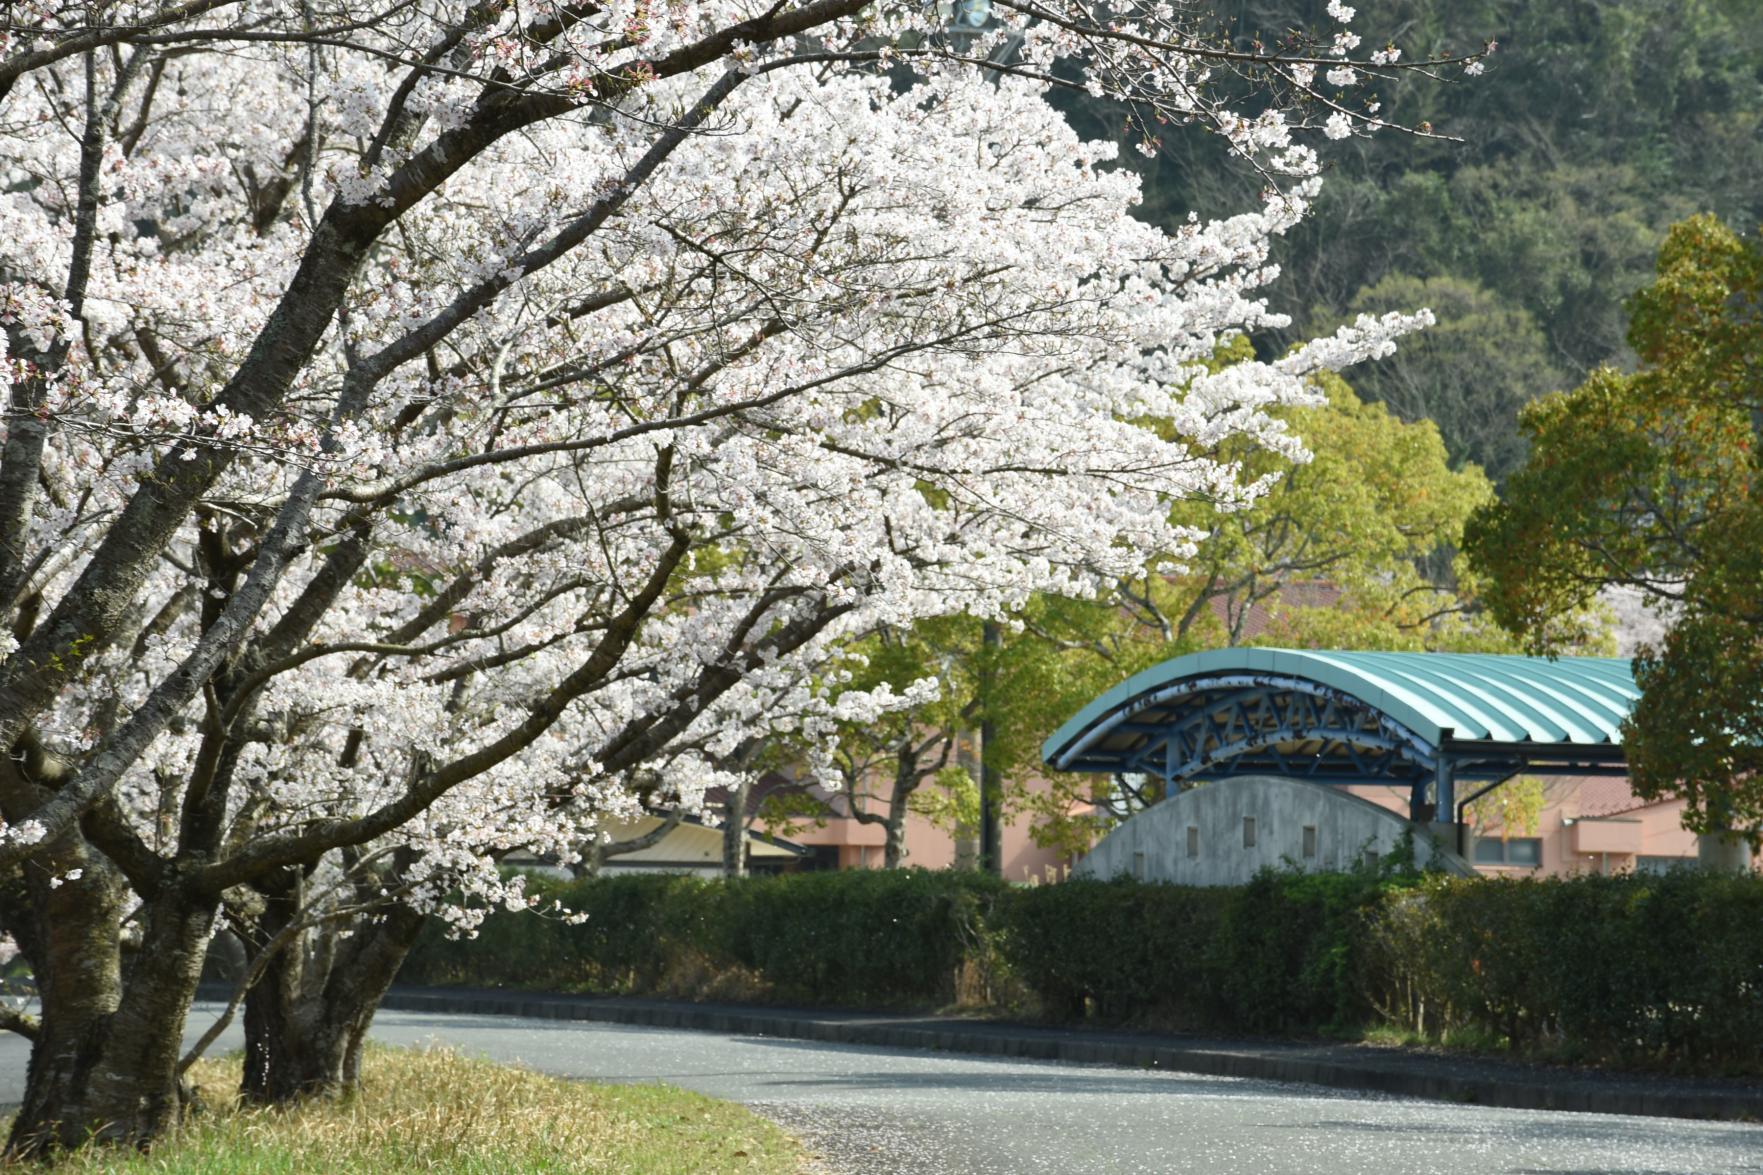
(878, 938)
(1651, 480)
(952, 803)
(1646, 970)
(1372, 514)
(1115, 949)
(1597, 126)
(787, 813)
(639, 930)
(1277, 955)
(1286, 956)
(1657, 971)
(903, 750)
(1469, 373)
(862, 937)
(1354, 549)
(1515, 806)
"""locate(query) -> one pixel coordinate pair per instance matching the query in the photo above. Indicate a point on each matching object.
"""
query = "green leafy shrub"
(886, 938)
(1115, 950)
(1659, 971)
(1288, 956)
(1278, 954)
(881, 937)
(638, 931)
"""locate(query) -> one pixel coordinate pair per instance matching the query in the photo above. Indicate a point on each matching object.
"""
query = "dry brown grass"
(437, 1111)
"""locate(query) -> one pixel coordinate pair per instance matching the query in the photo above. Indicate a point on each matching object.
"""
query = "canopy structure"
(1427, 719)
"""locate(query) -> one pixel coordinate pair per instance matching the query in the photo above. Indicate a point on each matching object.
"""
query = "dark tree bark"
(991, 781)
(105, 1062)
(894, 838)
(914, 761)
(307, 1017)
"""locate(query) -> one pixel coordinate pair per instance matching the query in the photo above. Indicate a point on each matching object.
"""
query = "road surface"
(868, 1110)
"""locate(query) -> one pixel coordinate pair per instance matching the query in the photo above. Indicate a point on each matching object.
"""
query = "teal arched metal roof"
(1472, 707)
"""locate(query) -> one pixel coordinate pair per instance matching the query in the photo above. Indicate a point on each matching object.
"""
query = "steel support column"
(1444, 788)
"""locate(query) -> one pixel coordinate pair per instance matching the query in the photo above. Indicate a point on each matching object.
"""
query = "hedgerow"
(882, 938)
(1656, 971)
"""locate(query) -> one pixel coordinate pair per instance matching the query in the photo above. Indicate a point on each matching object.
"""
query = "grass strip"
(434, 1110)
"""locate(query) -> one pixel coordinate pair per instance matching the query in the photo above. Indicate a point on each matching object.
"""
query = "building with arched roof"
(1439, 730)
(1431, 720)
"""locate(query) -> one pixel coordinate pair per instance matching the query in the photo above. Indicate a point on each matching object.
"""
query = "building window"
(1662, 864)
(1193, 841)
(1138, 866)
(1309, 840)
(1248, 832)
(1372, 857)
(1524, 851)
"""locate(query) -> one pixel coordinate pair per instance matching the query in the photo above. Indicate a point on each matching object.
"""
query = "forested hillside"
(1597, 125)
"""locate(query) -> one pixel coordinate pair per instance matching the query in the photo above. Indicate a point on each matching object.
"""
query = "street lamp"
(971, 13)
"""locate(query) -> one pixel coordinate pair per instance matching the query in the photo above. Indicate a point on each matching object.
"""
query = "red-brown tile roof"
(1596, 798)
(1313, 593)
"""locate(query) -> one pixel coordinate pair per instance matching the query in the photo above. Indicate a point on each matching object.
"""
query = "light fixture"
(971, 13)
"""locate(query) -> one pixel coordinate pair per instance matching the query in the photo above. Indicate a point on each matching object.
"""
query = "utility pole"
(991, 857)
(734, 828)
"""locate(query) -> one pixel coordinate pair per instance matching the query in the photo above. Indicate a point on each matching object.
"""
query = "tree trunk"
(307, 1017)
(105, 1064)
(967, 836)
(906, 780)
(734, 829)
(894, 847)
(1723, 852)
(991, 783)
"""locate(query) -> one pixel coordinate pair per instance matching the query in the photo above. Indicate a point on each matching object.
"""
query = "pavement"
(1451, 1077)
(869, 1110)
(874, 1110)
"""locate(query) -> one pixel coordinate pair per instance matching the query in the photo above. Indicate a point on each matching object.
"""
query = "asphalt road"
(912, 1113)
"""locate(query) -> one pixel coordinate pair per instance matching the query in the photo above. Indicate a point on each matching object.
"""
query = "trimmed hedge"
(1659, 971)
(883, 938)
(1276, 955)
(1662, 971)
(1115, 950)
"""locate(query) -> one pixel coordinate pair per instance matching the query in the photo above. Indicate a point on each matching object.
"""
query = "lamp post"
(969, 14)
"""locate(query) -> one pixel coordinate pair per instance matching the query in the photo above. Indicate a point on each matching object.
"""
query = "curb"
(1544, 1091)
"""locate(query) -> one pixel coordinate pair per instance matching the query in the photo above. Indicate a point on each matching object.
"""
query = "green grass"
(437, 1111)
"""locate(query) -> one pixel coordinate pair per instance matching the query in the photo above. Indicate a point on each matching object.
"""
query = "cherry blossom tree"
(423, 417)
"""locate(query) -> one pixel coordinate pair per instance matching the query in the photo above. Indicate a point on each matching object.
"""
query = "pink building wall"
(1587, 825)
(928, 846)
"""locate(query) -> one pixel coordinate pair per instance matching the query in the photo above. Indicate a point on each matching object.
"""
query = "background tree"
(1650, 481)
(1469, 373)
(881, 765)
(1356, 548)
(1601, 124)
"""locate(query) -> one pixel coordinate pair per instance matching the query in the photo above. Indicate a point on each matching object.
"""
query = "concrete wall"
(1154, 845)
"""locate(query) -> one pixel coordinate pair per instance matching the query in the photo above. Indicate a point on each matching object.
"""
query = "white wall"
(1154, 844)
